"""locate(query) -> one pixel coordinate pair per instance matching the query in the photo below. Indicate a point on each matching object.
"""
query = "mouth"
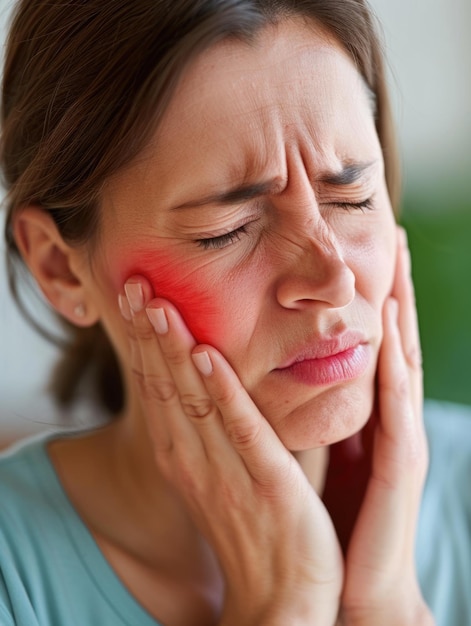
(328, 361)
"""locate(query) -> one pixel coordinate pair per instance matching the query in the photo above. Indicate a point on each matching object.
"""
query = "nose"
(316, 273)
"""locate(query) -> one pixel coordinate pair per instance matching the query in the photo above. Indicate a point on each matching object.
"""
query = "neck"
(137, 517)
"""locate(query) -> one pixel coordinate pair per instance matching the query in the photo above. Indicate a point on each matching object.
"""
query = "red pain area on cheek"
(194, 295)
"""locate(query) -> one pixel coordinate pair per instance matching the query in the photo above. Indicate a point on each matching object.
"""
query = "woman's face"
(260, 210)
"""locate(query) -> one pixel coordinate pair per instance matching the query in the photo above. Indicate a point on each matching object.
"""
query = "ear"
(56, 266)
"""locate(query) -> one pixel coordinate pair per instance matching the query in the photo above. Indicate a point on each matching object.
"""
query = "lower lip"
(337, 368)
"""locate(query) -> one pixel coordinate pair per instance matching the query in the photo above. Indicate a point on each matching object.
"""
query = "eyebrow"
(349, 174)
(241, 193)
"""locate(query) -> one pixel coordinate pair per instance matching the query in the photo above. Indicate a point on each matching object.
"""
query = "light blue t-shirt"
(52, 572)
(443, 544)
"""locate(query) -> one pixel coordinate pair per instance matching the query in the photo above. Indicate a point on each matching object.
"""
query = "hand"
(380, 578)
(244, 491)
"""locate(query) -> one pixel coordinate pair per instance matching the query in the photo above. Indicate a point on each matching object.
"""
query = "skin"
(209, 427)
(306, 268)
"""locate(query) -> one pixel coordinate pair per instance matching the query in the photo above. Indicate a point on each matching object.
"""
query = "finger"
(403, 291)
(266, 458)
(227, 420)
(392, 499)
(196, 405)
(176, 343)
(126, 312)
(399, 457)
(158, 391)
(398, 420)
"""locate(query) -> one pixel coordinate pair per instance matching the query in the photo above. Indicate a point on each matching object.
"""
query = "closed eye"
(362, 206)
(221, 241)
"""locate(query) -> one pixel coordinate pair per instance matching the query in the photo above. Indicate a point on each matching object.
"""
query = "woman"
(203, 191)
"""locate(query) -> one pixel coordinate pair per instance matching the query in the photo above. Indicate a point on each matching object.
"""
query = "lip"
(329, 360)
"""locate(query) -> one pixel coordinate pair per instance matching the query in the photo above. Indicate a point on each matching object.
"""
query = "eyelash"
(221, 241)
(363, 205)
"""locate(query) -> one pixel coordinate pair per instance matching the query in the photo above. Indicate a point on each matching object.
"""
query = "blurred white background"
(429, 50)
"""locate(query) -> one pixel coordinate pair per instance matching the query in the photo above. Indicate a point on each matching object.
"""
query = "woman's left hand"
(381, 586)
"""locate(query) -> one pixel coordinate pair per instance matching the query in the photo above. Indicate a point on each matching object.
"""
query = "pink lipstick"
(328, 361)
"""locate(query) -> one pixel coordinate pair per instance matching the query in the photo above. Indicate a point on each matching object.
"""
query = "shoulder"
(51, 569)
(26, 482)
(22, 463)
(448, 428)
(17, 463)
(443, 541)
(23, 508)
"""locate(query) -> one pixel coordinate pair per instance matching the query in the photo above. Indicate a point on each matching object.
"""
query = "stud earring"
(79, 310)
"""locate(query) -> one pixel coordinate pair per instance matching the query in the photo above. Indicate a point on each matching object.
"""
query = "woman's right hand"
(245, 492)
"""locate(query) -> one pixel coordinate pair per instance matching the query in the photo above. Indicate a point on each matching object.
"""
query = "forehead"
(239, 104)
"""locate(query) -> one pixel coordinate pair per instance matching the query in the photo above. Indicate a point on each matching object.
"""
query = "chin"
(332, 415)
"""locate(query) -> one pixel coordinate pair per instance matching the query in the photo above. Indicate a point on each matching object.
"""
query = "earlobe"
(53, 264)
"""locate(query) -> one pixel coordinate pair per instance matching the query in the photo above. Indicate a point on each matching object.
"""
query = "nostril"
(328, 280)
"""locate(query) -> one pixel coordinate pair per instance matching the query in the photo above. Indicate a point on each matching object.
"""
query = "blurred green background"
(439, 230)
(429, 51)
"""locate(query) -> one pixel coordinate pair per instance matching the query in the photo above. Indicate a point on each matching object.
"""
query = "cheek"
(196, 294)
(372, 258)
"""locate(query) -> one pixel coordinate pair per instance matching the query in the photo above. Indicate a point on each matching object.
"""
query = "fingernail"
(135, 296)
(124, 308)
(158, 319)
(203, 363)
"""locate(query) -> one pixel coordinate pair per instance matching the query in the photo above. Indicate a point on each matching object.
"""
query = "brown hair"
(85, 84)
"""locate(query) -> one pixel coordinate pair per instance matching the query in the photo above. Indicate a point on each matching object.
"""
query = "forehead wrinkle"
(258, 152)
(264, 126)
(265, 147)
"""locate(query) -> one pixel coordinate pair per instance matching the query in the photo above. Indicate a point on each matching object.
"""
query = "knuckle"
(196, 407)
(130, 332)
(139, 376)
(227, 395)
(142, 332)
(157, 388)
(399, 389)
(243, 435)
(188, 480)
(175, 357)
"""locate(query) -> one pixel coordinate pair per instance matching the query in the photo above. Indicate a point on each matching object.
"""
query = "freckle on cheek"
(194, 294)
